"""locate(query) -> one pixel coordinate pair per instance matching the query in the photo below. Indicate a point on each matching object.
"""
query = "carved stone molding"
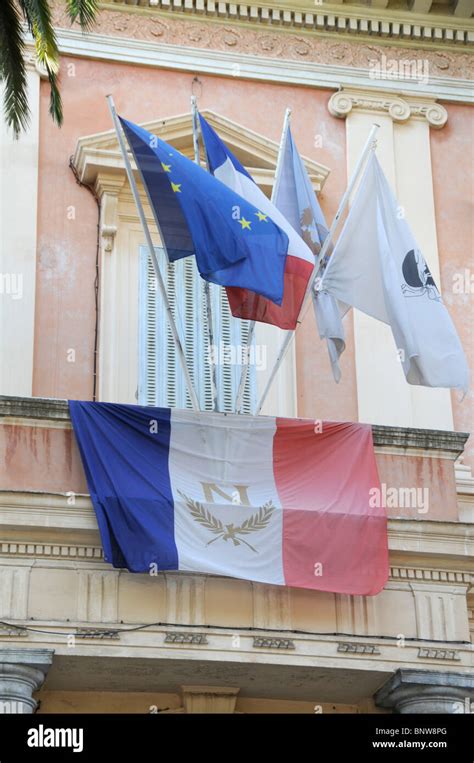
(438, 654)
(52, 550)
(350, 647)
(95, 633)
(32, 64)
(430, 575)
(260, 642)
(208, 18)
(107, 188)
(12, 631)
(342, 103)
(185, 638)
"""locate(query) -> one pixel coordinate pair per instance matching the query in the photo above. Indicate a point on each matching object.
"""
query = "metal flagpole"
(151, 249)
(245, 369)
(207, 288)
(369, 145)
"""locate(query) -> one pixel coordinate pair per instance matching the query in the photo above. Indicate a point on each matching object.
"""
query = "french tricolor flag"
(272, 500)
(299, 262)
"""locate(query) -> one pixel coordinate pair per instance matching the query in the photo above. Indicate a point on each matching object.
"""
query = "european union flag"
(234, 243)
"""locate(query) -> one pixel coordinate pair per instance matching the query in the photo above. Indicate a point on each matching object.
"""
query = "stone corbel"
(32, 63)
(346, 100)
(108, 187)
(209, 699)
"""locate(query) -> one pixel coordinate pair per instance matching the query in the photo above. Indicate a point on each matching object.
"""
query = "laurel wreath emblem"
(256, 522)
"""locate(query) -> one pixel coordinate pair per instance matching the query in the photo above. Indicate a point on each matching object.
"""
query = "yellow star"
(166, 167)
(262, 217)
(245, 223)
(176, 187)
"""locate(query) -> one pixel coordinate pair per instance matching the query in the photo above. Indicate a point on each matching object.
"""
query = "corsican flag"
(234, 242)
(274, 500)
(378, 268)
(300, 260)
(295, 198)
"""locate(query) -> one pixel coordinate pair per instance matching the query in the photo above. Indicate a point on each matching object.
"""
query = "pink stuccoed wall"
(65, 312)
(452, 155)
(48, 460)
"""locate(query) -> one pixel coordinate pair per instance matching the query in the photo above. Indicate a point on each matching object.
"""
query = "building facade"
(80, 319)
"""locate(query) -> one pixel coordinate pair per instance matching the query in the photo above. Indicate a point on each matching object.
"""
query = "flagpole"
(207, 288)
(369, 146)
(151, 249)
(245, 360)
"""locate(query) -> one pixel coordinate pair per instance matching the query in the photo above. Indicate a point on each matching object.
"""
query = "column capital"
(427, 691)
(399, 108)
(22, 672)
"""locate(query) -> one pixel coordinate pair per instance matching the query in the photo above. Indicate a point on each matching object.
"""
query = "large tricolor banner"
(282, 501)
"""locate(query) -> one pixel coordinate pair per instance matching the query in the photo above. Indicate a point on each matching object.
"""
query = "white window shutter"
(161, 380)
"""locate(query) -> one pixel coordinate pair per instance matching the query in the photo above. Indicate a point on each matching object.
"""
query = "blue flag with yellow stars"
(235, 244)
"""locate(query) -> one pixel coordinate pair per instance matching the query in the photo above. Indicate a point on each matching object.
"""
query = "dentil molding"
(334, 23)
(342, 103)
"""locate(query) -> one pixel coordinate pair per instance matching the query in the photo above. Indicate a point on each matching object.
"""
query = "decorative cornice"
(334, 21)
(98, 156)
(259, 642)
(96, 633)
(410, 574)
(430, 575)
(399, 109)
(40, 408)
(425, 439)
(66, 551)
(174, 637)
(34, 408)
(271, 56)
(349, 647)
(426, 653)
(12, 631)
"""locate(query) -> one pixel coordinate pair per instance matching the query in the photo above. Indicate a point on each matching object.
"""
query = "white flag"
(329, 313)
(378, 268)
(294, 196)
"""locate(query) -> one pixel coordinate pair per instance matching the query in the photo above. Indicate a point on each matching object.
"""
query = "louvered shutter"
(161, 380)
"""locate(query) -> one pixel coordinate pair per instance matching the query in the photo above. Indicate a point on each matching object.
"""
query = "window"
(161, 381)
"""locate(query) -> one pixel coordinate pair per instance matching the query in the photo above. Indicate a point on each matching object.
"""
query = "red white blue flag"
(274, 500)
(299, 264)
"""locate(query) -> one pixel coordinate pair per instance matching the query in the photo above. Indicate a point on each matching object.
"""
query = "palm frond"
(13, 68)
(84, 11)
(39, 19)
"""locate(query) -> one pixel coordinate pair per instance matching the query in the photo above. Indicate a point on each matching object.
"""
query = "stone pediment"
(98, 154)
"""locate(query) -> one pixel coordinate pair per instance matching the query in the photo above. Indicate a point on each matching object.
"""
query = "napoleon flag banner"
(282, 501)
